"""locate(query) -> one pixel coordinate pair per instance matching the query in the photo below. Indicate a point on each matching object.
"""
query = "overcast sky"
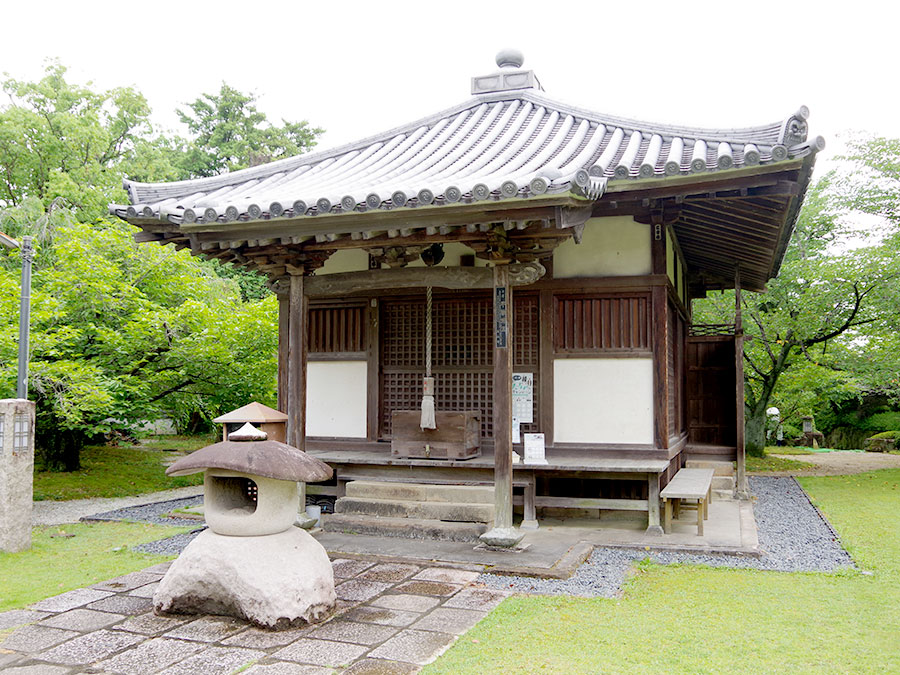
(357, 69)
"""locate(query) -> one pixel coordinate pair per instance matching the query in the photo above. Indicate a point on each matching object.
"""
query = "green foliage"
(685, 619)
(62, 140)
(129, 332)
(889, 435)
(230, 133)
(87, 554)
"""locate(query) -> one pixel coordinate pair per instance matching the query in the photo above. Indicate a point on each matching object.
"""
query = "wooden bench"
(688, 484)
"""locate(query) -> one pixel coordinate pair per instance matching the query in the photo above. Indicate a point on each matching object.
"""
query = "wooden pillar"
(284, 317)
(659, 303)
(742, 489)
(653, 526)
(296, 370)
(503, 533)
(297, 307)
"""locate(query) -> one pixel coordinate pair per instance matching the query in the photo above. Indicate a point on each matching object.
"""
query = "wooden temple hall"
(520, 266)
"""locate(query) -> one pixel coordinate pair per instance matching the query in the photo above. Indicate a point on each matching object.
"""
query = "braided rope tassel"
(427, 420)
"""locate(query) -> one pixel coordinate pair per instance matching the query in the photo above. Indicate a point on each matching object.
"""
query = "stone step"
(723, 483)
(402, 527)
(719, 468)
(389, 508)
(722, 495)
(417, 492)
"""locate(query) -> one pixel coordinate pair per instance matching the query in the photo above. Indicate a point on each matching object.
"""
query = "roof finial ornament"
(510, 58)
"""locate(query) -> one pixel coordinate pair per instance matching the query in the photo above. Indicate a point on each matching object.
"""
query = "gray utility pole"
(24, 311)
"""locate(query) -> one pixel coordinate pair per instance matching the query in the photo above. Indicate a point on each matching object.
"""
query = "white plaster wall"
(336, 399)
(610, 247)
(348, 260)
(603, 400)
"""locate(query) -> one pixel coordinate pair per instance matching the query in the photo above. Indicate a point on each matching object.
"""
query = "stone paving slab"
(151, 624)
(215, 660)
(406, 602)
(389, 572)
(91, 647)
(128, 582)
(258, 638)
(77, 598)
(360, 590)
(36, 638)
(381, 667)
(37, 669)
(19, 617)
(414, 646)
(345, 568)
(82, 620)
(148, 657)
(448, 620)
(382, 616)
(321, 652)
(207, 629)
(123, 604)
(351, 631)
(447, 575)
(285, 668)
(379, 626)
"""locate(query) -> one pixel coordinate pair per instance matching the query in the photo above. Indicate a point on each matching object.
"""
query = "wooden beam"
(347, 283)
(296, 412)
(373, 361)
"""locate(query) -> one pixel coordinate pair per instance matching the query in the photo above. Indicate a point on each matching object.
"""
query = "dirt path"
(840, 462)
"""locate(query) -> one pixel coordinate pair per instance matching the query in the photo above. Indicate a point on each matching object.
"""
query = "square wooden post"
(284, 319)
(503, 533)
(659, 304)
(742, 490)
(298, 310)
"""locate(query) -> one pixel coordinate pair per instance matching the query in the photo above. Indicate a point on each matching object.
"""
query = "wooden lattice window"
(598, 324)
(337, 329)
(462, 354)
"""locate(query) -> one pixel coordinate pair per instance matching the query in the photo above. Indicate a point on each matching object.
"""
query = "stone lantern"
(273, 422)
(252, 562)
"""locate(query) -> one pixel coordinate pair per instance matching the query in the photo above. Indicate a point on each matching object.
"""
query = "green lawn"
(121, 471)
(769, 463)
(56, 563)
(689, 619)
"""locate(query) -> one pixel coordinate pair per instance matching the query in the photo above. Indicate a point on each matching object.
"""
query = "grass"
(785, 450)
(56, 564)
(770, 463)
(691, 619)
(120, 471)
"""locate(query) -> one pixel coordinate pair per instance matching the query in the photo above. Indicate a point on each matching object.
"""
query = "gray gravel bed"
(155, 513)
(792, 535)
(170, 545)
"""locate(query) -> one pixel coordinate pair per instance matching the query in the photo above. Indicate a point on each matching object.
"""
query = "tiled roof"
(512, 144)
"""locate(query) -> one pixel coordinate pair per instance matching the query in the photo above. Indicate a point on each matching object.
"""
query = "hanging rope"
(428, 421)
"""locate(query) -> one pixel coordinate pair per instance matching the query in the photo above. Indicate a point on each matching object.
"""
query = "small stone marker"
(16, 473)
(252, 562)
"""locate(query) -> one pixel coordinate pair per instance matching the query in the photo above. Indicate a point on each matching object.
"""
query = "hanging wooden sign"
(500, 314)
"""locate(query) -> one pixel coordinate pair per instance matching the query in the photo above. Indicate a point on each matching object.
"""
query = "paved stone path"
(392, 619)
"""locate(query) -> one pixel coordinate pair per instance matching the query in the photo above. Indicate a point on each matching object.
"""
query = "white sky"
(357, 69)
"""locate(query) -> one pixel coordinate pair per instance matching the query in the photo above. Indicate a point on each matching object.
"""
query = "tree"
(123, 332)
(230, 133)
(828, 302)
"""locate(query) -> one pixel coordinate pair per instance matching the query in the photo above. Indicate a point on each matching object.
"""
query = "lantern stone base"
(274, 581)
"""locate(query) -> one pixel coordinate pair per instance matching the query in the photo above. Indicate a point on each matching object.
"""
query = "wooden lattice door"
(462, 354)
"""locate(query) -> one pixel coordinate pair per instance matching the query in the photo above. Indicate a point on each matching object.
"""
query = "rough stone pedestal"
(16, 473)
(273, 581)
